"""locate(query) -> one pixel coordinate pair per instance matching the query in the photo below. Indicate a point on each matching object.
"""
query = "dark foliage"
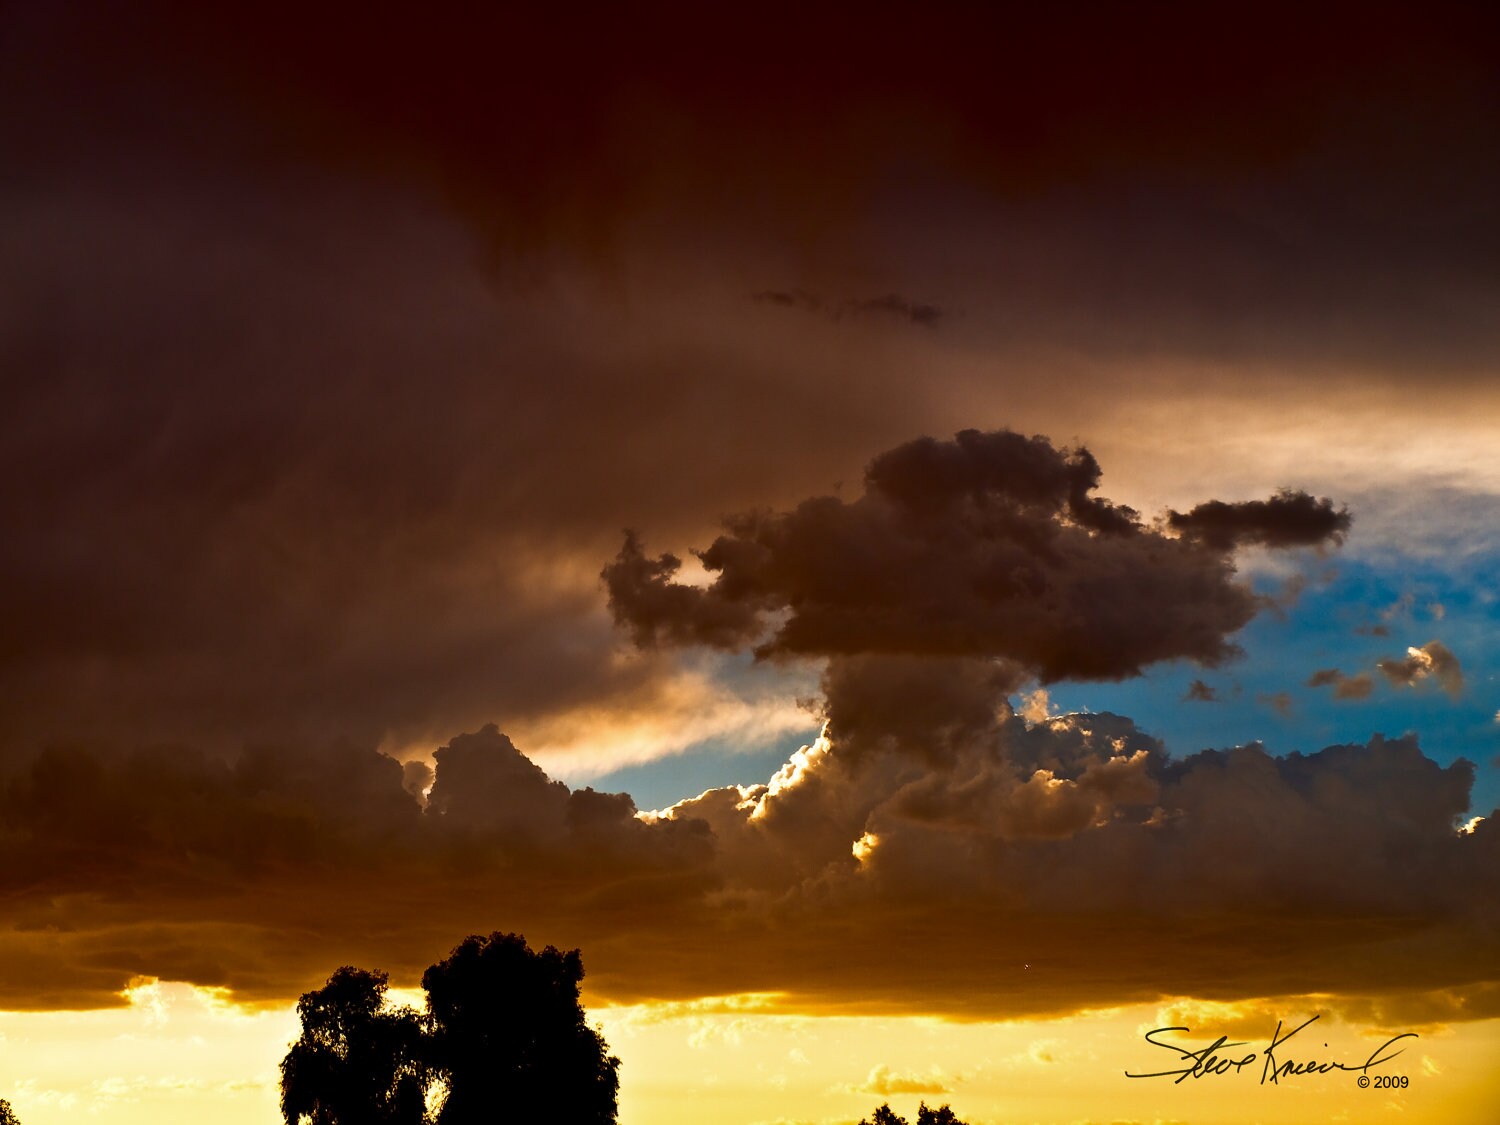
(508, 1030)
(7, 1115)
(885, 1115)
(504, 1034)
(355, 1062)
(940, 1116)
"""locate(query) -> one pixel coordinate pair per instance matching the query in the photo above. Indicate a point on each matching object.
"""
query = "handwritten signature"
(1217, 1058)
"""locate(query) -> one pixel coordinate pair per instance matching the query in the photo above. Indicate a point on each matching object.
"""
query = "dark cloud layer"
(991, 544)
(1326, 189)
(279, 463)
(544, 124)
(974, 843)
(253, 873)
(282, 465)
(270, 477)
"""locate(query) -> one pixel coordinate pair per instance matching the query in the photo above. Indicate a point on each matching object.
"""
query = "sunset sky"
(928, 541)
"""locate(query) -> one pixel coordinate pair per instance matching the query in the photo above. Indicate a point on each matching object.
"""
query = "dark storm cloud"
(282, 464)
(1288, 519)
(270, 477)
(987, 833)
(1327, 194)
(278, 464)
(139, 857)
(997, 843)
(990, 544)
(656, 103)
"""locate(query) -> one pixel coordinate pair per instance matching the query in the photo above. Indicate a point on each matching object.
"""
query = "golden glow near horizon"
(175, 1053)
(180, 1053)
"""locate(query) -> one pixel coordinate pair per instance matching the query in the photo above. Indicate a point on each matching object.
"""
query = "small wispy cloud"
(883, 1082)
(891, 306)
(1358, 686)
(1434, 659)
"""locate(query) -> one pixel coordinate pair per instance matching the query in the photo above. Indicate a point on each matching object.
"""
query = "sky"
(928, 543)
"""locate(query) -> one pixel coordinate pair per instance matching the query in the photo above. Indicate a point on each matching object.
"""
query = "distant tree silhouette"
(925, 1116)
(8, 1115)
(355, 1063)
(940, 1116)
(509, 1032)
(504, 1038)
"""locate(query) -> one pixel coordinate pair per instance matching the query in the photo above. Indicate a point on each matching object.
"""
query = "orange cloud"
(998, 859)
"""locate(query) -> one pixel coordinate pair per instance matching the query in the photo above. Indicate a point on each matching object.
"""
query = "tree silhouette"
(509, 1031)
(7, 1115)
(504, 1037)
(885, 1115)
(355, 1063)
(940, 1116)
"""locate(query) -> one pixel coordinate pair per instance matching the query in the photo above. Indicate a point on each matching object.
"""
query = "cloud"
(1200, 692)
(987, 545)
(306, 541)
(217, 367)
(1400, 609)
(891, 305)
(1245, 1019)
(1354, 687)
(1279, 701)
(177, 865)
(790, 299)
(884, 1082)
(1434, 659)
(1036, 706)
(1043, 1052)
(1431, 1010)
(1344, 687)
(888, 306)
(804, 152)
(1288, 519)
(1000, 844)
(416, 779)
(276, 481)
(1428, 1012)
(1016, 823)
